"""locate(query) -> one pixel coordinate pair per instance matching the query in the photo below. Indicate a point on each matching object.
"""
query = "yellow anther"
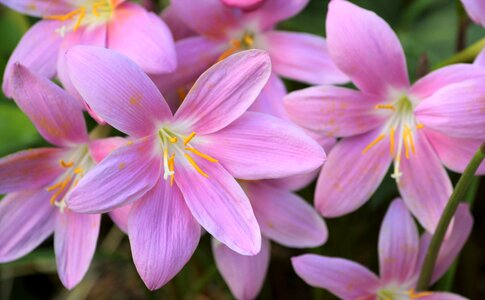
(173, 139)
(66, 164)
(65, 17)
(60, 188)
(82, 14)
(78, 171)
(99, 4)
(54, 187)
(204, 156)
(248, 40)
(385, 106)
(235, 46)
(171, 167)
(393, 142)
(419, 126)
(373, 143)
(194, 164)
(189, 138)
(413, 295)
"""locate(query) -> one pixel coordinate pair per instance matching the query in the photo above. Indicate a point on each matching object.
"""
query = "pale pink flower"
(401, 255)
(37, 180)
(115, 24)
(244, 4)
(476, 10)
(180, 168)
(440, 120)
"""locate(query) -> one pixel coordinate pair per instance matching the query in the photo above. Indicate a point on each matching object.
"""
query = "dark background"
(430, 30)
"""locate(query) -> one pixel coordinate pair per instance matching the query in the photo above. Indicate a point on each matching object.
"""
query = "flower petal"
(243, 274)
(143, 37)
(120, 217)
(26, 219)
(225, 91)
(366, 49)
(99, 149)
(350, 176)
(476, 10)
(274, 11)
(219, 204)
(54, 113)
(175, 24)
(452, 245)
(295, 182)
(270, 101)
(301, 56)
(37, 50)
(123, 96)
(30, 169)
(121, 178)
(285, 217)
(334, 111)
(457, 110)
(39, 8)
(441, 78)
(455, 153)
(255, 140)
(74, 243)
(163, 234)
(343, 278)
(443, 296)
(424, 184)
(480, 60)
(398, 244)
(244, 4)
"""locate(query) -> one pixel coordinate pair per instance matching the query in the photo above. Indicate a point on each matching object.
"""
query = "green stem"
(450, 209)
(465, 56)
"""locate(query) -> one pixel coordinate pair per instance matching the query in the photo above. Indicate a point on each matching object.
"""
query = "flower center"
(88, 13)
(403, 124)
(76, 166)
(389, 294)
(246, 42)
(178, 144)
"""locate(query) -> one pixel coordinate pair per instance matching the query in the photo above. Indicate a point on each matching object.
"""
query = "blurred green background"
(430, 31)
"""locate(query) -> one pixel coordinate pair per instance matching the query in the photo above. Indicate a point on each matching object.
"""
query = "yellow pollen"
(194, 164)
(413, 295)
(248, 40)
(171, 167)
(419, 126)
(391, 148)
(65, 17)
(60, 187)
(100, 4)
(204, 156)
(78, 171)
(189, 138)
(385, 106)
(373, 143)
(66, 164)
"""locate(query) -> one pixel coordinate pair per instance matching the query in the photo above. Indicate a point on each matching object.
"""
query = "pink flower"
(124, 27)
(476, 10)
(37, 180)
(439, 120)
(244, 4)
(218, 31)
(284, 218)
(188, 160)
(401, 254)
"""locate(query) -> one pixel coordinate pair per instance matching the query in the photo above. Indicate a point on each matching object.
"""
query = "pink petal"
(30, 169)
(366, 49)
(123, 96)
(343, 278)
(424, 185)
(37, 50)
(39, 8)
(457, 110)
(194, 56)
(270, 101)
(243, 4)
(120, 217)
(480, 60)
(225, 91)
(452, 245)
(220, 205)
(121, 178)
(275, 11)
(443, 296)
(26, 219)
(256, 140)
(54, 113)
(285, 217)
(209, 17)
(334, 111)
(476, 10)
(177, 26)
(455, 153)
(301, 56)
(295, 182)
(441, 78)
(163, 234)
(101, 148)
(243, 274)
(398, 244)
(143, 37)
(350, 177)
(74, 243)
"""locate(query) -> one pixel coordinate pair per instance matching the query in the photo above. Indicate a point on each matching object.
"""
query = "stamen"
(65, 17)
(411, 142)
(373, 143)
(80, 19)
(235, 46)
(392, 141)
(189, 138)
(60, 188)
(66, 164)
(413, 295)
(406, 147)
(97, 5)
(194, 164)
(419, 126)
(386, 106)
(248, 40)
(204, 156)
(167, 171)
(171, 167)
(78, 171)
